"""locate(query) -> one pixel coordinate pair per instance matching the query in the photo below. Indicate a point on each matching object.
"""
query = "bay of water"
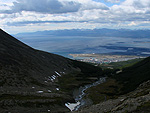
(65, 45)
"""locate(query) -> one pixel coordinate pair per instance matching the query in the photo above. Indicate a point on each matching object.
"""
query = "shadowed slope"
(26, 72)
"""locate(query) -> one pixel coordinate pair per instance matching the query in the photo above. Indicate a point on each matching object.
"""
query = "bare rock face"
(30, 79)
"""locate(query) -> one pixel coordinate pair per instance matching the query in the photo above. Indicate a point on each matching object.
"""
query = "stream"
(80, 93)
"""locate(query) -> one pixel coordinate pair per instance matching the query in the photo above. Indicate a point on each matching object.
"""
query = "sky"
(18, 16)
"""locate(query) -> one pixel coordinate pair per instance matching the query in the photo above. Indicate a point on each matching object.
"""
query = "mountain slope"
(133, 76)
(30, 79)
(23, 59)
(127, 91)
(137, 101)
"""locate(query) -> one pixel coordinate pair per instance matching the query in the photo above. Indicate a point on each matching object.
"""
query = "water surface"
(64, 45)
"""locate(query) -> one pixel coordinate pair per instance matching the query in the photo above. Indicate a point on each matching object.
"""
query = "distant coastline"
(103, 58)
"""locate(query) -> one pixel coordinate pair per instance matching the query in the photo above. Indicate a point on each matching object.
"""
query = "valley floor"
(137, 101)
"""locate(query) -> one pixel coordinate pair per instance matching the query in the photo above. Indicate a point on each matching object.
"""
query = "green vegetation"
(30, 100)
(120, 65)
(133, 76)
(79, 78)
(126, 81)
(22, 97)
(104, 91)
(88, 69)
(68, 82)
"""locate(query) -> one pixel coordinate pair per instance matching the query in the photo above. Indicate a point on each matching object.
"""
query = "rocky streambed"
(137, 101)
(79, 96)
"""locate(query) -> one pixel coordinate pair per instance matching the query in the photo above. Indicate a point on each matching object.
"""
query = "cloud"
(84, 11)
(75, 13)
(54, 6)
(132, 13)
(22, 23)
(4, 7)
(137, 4)
(90, 5)
(113, 1)
(44, 6)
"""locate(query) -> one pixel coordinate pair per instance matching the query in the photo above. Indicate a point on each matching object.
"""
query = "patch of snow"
(57, 89)
(53, 77)
(122, 100)
(33, 87)
(72, 106)
(52, 80)
(39, 91)
(49, 91)
(58, 73)
(49, 110)
(118, 72)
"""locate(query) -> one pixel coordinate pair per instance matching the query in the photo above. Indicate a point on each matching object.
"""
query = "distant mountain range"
(93, 33)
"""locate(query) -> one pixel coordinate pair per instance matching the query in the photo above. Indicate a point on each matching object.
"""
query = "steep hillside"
(133, 76)
(123, 92)
(31, 79)
(137, 101)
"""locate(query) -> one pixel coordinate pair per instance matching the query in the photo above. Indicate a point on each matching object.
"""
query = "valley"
(32, 80)
(74, 56)
(127, 91)
(79, 95)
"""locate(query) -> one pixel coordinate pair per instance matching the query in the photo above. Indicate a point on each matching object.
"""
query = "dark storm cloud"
(44, 6)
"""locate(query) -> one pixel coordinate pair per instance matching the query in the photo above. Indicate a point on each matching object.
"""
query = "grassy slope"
(79, 78)
(133, 76)
(104, 91)
(120, 65)
(121, 83)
